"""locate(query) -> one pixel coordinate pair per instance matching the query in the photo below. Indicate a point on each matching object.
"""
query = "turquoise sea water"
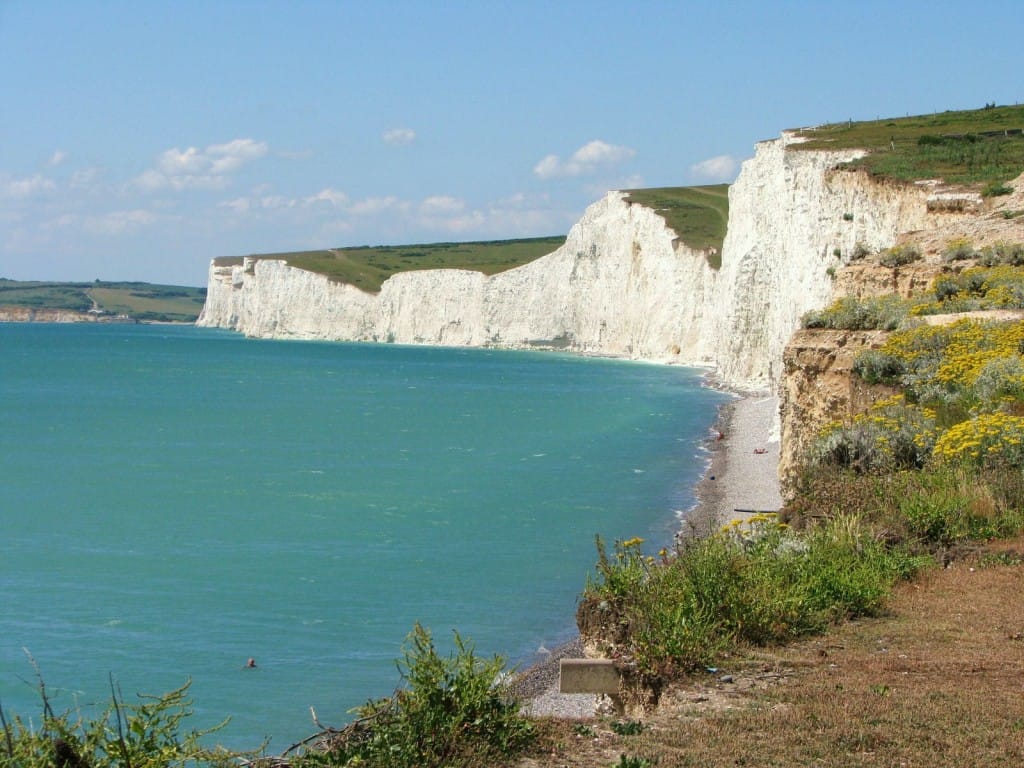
(175, 500)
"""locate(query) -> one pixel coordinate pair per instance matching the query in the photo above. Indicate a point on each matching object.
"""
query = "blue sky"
(138, 140)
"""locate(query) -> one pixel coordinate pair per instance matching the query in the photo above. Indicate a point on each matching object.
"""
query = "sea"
(175, 501)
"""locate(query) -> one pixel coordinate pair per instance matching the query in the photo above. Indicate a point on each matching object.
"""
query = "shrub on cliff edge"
(453, 711)
(755, 582)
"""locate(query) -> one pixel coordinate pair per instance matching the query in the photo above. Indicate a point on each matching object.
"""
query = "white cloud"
(239, 204)
(30, 186)
(258, 201)
(399, 137)
(333, 197)
(440, 205)
(233, 155)
(58, 157)
(372, 206)
(718, 168)
(549, 167)
(588, 159)
(193, 168)
(113, 223)
(86, 178)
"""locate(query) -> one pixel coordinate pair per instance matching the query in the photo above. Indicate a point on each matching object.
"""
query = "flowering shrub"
(989, 438)
(852, 314)
(892, 435)
(998, 285)
(899, 256)
(958, 250)
(944, 364)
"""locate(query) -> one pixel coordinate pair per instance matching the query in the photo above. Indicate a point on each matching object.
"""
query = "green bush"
(876, 367)
(454, 711)
(929, 509)
(1009, 253)
(145, 734)
(1000, 379)
(948, 505)
(892, 436)
(860, 251)
(756, 582)
(632, 761)
(995, 189)
(899, 256)
(853, 314)
(958, 250)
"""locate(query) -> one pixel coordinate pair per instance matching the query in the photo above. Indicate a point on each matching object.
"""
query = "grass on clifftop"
(699, 215)
(367, 267)
(973, 147)
(141, 301)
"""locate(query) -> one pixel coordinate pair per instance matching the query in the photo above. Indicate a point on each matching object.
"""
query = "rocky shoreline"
(741, 479)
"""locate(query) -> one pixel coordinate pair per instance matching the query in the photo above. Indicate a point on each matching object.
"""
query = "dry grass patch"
(939, 680)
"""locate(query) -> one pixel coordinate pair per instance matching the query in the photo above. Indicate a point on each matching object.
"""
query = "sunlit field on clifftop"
(699, 215)
(979, 146)
(367, 267)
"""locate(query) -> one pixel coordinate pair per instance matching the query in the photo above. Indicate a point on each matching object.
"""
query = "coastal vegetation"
(452, 711)
(757, 582)
(140, 301)
(146, 733)
(698, 214)
(996, 283)
(367, 267)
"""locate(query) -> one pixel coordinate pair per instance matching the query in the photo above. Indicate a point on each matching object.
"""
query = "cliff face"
(620, 285)
(819, 386)
(623, 284)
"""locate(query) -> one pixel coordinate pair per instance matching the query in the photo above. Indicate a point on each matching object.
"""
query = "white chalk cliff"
(623, 283)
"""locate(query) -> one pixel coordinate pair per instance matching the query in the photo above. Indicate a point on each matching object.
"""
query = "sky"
(139, 140)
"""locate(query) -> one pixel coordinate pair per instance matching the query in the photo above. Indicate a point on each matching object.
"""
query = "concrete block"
(588, 676)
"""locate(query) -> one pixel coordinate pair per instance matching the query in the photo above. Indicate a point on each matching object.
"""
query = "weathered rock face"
(623, 284)
(819, 386)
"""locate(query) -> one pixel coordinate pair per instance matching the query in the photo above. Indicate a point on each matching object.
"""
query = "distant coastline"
(43, 315)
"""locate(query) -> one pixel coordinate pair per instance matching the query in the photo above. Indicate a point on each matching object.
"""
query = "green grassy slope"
(142, 301)
(699, 215)
(976, 147)
(367, 267)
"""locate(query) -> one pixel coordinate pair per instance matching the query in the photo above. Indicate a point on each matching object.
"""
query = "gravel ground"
(741, 479)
